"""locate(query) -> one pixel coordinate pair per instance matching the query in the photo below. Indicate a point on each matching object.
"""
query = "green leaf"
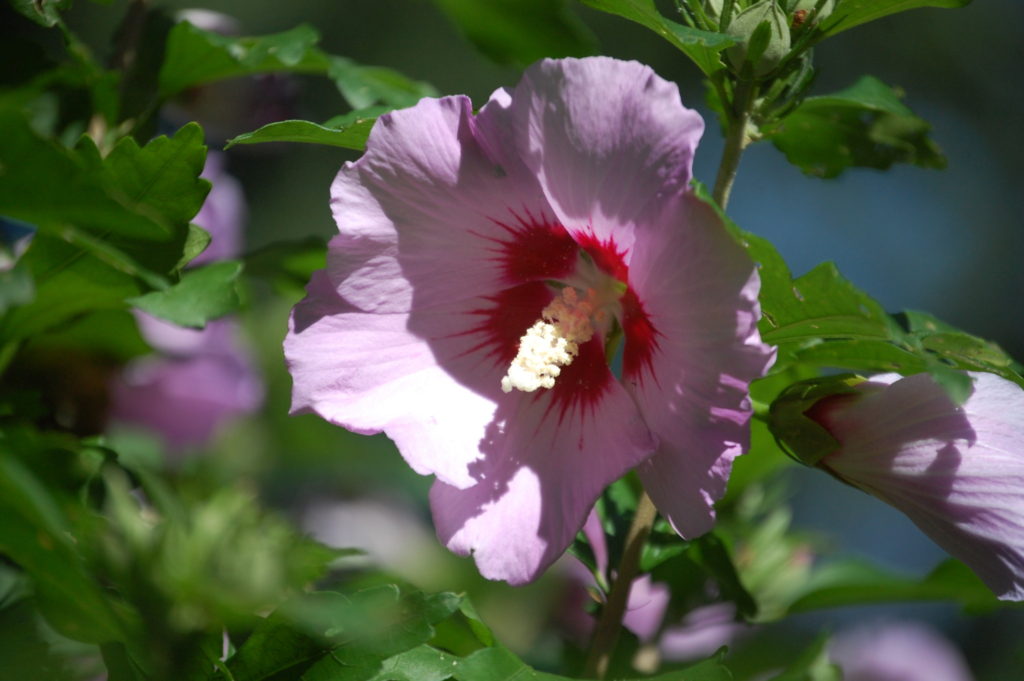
(195, 57)
(462, 633)
(43, 12)
(160, 180)
(290, 263)
(120, 665)
(327, 635)
(364, 86)
(108, 228)
(820, 304)
(865, 125)
(16, 287)
(422, 663)
(850, 13)
(202, 294)
(855, 582)
(957, 384)
(939, 342)
(822, 320)
(51, 186)
(112, 334)
(275, 647)
(195, 243)
(349, 131)
(812, 665)
(702, 47)
(520, 32)
(36, 535)
(69, 282)
(711, 552)
(499, 664)
(863, 355)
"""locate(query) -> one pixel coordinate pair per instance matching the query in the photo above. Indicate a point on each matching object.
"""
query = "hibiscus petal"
(957, 472)
(368, 373)
(696, 359)
(606, 138)
(430, 208)
(545, 464)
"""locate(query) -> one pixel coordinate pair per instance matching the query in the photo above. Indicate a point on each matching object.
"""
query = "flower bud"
(795, 430)
(956, 470)
(762, 35)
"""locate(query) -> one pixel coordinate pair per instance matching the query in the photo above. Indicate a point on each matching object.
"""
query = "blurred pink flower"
(897, 651)
(956, 471)
(487, 269)
(223, 213)
(645, 609)
(703, 631)
(200, 378)
(186, 397)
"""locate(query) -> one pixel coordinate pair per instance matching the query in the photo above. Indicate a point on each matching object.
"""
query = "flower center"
(554, 340)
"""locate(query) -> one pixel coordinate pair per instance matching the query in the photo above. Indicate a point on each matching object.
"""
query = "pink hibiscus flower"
(956, 471)
(488, 269)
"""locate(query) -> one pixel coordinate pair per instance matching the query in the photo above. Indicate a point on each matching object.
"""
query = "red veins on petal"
(605, 254)
(537, 249)
(582, 384)
(641, 337)
(506, 319)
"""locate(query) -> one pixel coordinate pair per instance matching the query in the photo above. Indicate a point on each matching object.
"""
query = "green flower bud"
(799, 435)
(762, 34)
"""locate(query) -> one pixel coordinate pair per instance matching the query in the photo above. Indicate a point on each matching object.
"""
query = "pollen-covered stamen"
(553, 341)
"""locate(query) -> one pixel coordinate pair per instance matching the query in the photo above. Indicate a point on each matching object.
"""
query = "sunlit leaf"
(700, 46)
(202, 294)
(195, 57)
(349, 131)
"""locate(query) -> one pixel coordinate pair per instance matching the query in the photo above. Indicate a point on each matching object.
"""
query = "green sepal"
(799, 436)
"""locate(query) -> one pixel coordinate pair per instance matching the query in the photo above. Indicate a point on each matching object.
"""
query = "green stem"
(609, 626)
(736, 141)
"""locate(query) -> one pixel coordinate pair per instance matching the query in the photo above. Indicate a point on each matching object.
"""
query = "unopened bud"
(761, 32)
